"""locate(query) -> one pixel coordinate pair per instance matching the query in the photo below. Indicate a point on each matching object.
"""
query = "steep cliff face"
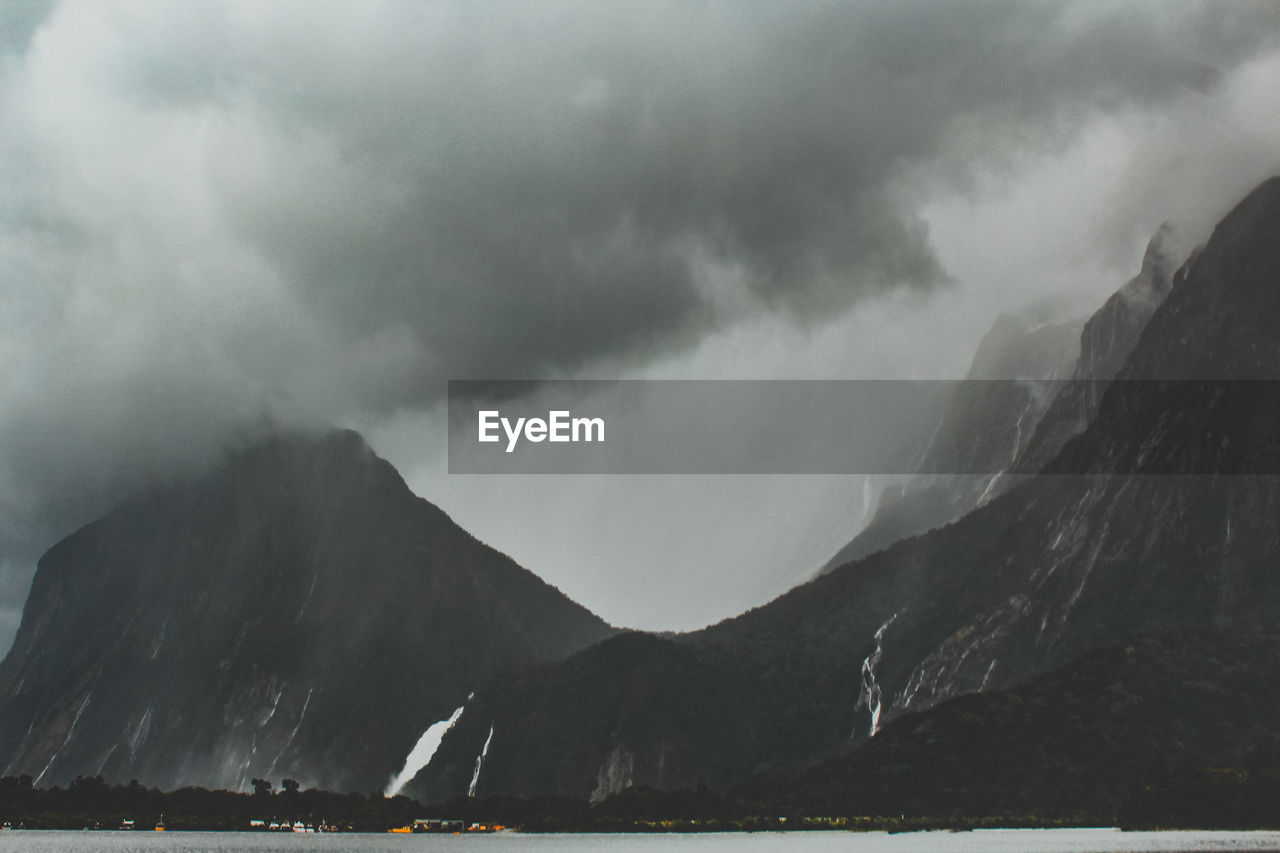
(1155, 515)
(1106, 342)
(296, 613)
(1154, 518)
(1072, 743)
(1015, 427)
(987, 424)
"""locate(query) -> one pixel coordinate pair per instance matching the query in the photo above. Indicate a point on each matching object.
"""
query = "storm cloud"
(222, 216)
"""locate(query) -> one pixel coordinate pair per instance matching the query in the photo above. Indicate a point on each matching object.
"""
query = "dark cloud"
(224, 215)
(522, 190)
(526, 190)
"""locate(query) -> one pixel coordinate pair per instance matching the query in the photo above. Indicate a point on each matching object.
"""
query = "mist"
(222, 218)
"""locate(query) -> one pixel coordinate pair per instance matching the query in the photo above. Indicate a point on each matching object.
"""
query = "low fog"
(223, 218)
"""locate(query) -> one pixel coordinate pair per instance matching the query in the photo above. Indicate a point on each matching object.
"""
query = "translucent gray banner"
(891, 427)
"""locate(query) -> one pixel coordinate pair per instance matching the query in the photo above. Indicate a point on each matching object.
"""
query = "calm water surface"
(998, 841)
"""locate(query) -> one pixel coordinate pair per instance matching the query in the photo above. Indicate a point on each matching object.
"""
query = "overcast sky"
(221, 216)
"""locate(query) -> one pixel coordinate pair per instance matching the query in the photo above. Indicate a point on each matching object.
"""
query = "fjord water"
(982, 841)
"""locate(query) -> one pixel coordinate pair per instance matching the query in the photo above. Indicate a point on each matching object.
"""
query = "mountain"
(986, 424)
(1106, 341)
(1158, 517)
(1017, 427)
(1068, 744)
(297, 612)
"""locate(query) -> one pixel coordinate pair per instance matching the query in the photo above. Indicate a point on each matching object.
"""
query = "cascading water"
(475, 777)
(423, 751)
(869, 695)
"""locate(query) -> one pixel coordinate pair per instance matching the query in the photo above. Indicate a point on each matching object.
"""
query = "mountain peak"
(308, 452)
(254, 621)
(1221, 319)
(1167, 250)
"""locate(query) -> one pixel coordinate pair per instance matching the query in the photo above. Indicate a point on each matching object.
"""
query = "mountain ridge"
(259, 619)
(1050, 569)
(1044, 572)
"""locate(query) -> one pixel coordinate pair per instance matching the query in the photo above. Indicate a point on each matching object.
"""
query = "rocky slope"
(1155, 518)
(296, 613)
(1106, 342)
(1069, 744)
(1048, 380)
(987, 423)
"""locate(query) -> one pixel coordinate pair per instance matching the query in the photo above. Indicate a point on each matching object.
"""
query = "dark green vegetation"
(691, 810)
(1174, 730)
(1122, 734)
(93, 803)
(662, 713)
(1191, 796)
(1071, 745)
